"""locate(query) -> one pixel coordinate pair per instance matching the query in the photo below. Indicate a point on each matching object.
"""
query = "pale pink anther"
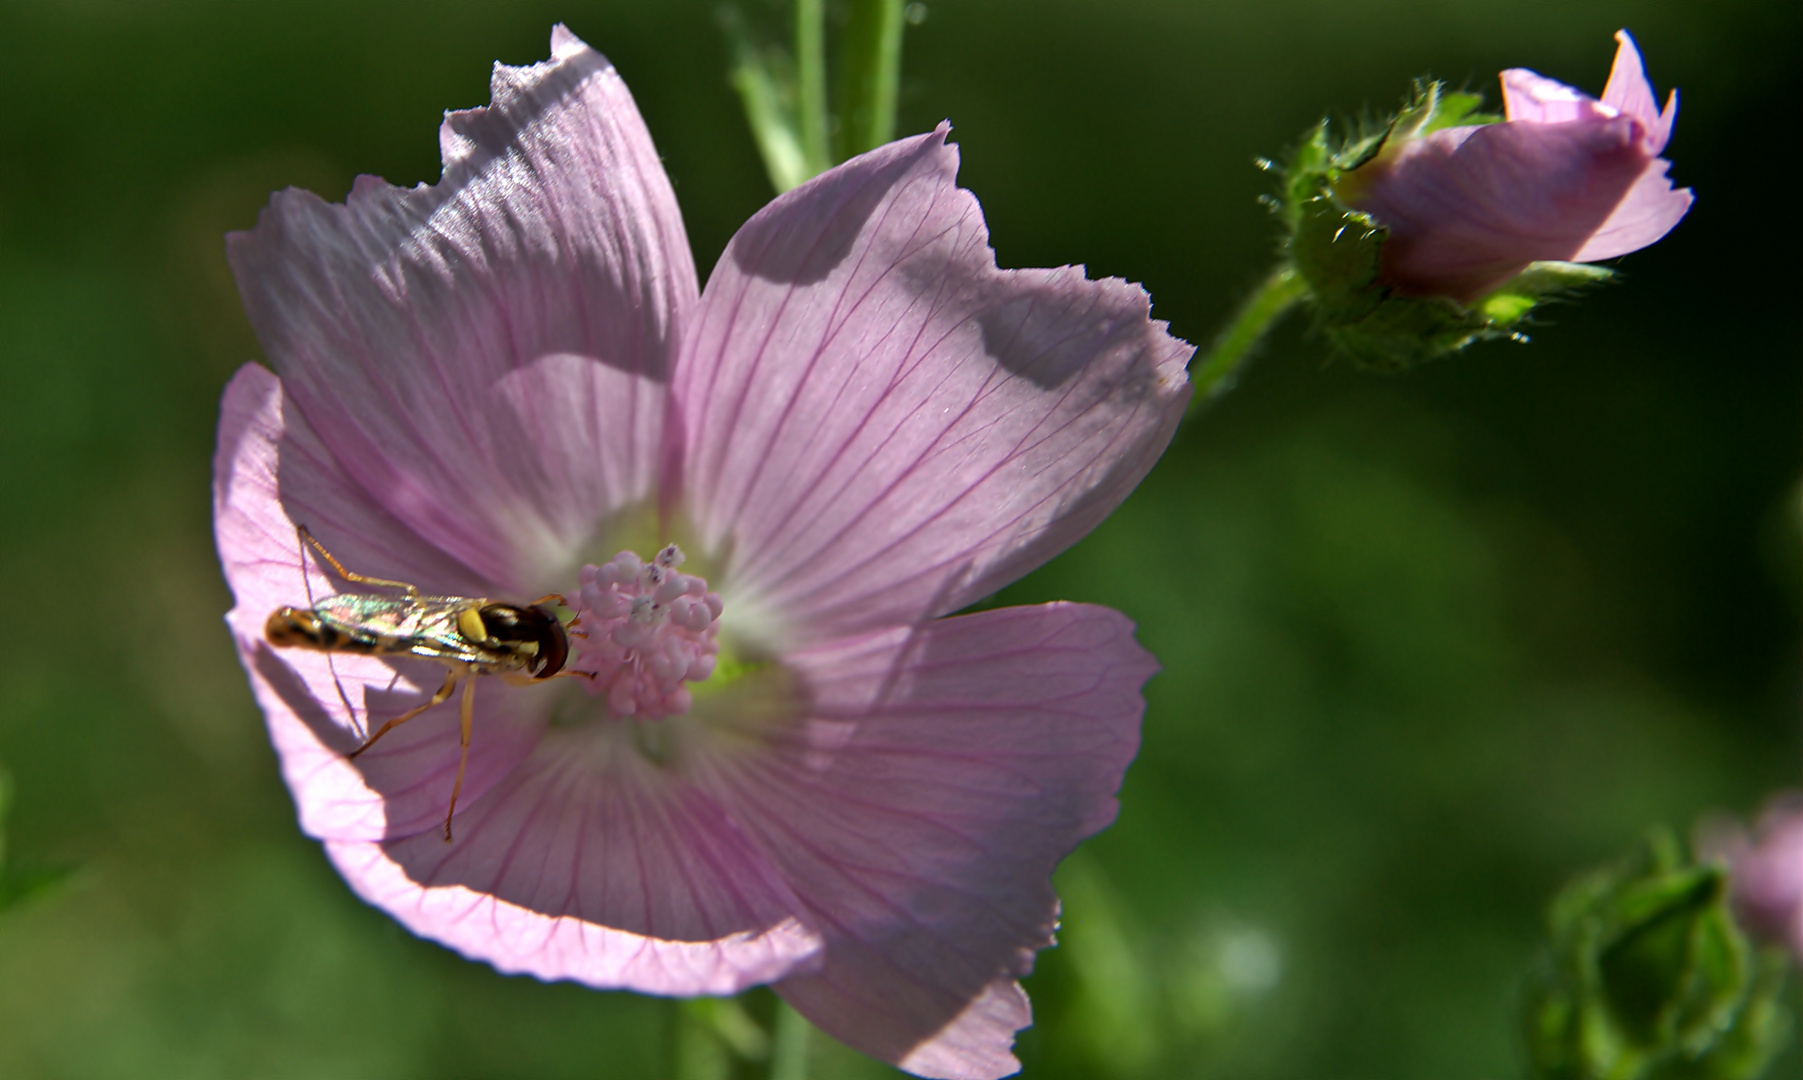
(643, 630)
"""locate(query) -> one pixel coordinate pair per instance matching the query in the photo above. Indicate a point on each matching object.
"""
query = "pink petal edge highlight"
(1531, 97)
(520, 940)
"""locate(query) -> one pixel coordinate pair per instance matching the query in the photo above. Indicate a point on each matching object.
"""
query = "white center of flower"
(643, 630)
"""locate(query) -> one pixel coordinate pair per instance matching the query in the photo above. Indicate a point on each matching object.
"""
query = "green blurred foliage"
(1431, 644)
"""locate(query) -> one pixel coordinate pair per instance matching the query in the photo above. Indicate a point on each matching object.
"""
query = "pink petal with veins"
(944, 772)
(1531, 97)
(407, 322)
(591, 863)
(880, 426)
(1649, 210)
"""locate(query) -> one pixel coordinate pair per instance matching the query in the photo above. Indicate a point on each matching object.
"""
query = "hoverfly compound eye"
(532, 633)
(553, 646)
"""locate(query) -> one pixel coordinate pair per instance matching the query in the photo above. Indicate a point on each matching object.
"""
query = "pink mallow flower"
(1765, 870)
(1564, 177)
(785, 764)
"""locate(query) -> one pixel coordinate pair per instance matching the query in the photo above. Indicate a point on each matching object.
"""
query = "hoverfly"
(470, 635)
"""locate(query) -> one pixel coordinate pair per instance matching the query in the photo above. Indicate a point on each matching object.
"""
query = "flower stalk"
(1219, 367)
(789, 1044)
(801, 130)
(810, 84)
(869, 76)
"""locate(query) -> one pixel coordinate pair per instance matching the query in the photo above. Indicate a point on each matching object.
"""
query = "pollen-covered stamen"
(645, 629)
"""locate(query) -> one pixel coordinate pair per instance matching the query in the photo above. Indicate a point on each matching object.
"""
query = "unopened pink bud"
(1564, 178)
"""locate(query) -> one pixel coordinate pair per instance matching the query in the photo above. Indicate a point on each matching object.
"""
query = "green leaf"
(1305, 173)
(810, 82)
(6, 805)
(764, 77)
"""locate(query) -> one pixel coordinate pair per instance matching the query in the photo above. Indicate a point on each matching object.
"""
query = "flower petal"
(1651, 208)
(1767, 879)
(591, 863)
(944, 772)
(272, 471)
(403, 321)
(879, 426)
(1630, 93)
(1532, 97)
(1468, 208)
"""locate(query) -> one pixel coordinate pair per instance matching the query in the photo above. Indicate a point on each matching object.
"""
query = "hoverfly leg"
(361, 579)
(350, 711)
(567, 674)
(444, 693)
(549, 598)
(463, 758)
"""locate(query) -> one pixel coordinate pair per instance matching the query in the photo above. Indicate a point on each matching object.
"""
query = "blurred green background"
(1432, 644)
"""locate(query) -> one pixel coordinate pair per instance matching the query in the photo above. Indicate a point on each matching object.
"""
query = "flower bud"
(1449, 226)
(1648, 976)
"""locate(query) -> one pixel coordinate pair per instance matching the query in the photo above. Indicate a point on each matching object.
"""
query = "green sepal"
(1518, 297)
(1338, 252)
(1648, 978)
(1457, 109)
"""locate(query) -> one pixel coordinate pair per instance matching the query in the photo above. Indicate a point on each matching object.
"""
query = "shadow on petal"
(410, 772)
(804, 234)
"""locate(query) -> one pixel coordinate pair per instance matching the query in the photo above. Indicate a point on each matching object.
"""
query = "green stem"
(810, 82)
(869, 73)
(765, 89)
(698, 1054)
(789, 1044)
(1217, 368)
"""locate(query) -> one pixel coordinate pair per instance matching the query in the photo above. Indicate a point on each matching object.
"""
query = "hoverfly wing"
(399, 626)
